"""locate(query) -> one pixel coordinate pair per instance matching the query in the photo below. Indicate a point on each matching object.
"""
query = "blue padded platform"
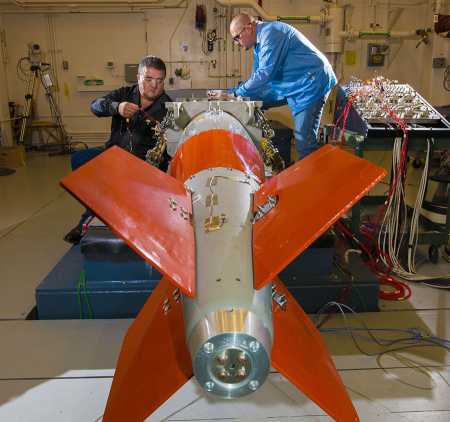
(62, 295)
(311, 279)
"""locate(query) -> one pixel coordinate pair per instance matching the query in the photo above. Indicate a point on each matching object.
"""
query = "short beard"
(148, 98)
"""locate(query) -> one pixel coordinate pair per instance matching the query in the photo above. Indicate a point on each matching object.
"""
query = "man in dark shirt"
(131, 106)
(133, 110)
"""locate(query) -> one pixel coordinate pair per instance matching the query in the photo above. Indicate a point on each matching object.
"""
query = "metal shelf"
(96, 88)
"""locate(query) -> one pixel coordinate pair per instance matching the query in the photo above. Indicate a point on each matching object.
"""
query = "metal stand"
(436, 236)
(37, 74)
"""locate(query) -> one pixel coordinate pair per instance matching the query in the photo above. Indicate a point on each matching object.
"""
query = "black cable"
(446, 80)
(20, 70)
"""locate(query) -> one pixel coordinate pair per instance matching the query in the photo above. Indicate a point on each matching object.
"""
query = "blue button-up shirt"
(286, 67)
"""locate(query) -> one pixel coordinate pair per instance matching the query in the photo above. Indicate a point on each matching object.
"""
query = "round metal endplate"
(237, 366)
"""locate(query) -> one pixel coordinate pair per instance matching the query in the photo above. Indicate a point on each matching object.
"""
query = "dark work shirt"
(137, 135)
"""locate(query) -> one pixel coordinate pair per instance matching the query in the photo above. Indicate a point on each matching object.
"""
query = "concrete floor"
(62, 370)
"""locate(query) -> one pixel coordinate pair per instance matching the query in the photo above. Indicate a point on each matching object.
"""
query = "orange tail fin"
(301, 356)
(149, 209)
(312, 194)
(154, 361)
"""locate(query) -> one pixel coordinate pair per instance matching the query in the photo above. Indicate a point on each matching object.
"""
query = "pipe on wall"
(172, 36)
(368, 33)
(266, 16)
(251, 4)
(120, 6)
(85, 9)
(72, 3)
(84, 6)
(334, 43)
(437, 4)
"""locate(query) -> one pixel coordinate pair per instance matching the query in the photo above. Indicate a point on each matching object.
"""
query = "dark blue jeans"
(306, 127)
(79, 158)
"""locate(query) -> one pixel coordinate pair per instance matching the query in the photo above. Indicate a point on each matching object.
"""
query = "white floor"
(62, 370)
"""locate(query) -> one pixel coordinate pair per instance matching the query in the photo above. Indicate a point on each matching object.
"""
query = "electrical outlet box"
(131, 71)
(439, 62)
(376, 54)
(350, 57)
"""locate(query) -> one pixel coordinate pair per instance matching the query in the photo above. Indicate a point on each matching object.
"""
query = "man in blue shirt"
(287, 69)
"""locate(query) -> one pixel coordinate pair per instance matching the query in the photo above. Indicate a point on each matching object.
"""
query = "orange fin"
(148, 208)
(154, 361)
(299, 354)
(312, 194)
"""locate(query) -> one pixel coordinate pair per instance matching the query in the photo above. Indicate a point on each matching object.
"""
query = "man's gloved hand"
(127, 110)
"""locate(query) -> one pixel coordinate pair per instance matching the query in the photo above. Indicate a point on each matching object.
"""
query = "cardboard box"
(12, 157)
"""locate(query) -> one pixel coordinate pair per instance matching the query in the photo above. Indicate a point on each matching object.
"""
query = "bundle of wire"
(386, 238)
(410, 337)
(395, 223)
(394, 289)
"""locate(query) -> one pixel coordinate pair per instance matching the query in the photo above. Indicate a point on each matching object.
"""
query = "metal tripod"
(38, 72)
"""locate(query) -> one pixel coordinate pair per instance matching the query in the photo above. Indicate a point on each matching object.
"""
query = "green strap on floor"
(82, 293)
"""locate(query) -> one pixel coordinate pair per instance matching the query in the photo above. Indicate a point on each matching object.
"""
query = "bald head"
(243, 30)
(239, 21)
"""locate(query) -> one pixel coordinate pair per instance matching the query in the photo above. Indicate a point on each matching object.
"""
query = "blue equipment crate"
(59, 295)
(313, 281)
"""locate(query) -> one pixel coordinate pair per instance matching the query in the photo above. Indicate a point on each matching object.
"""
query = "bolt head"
(253, 385)
(254, 346)
(223, 374)
(222, 358)
(209, 386)
(208, 347)
(242, 358)
(241, 373)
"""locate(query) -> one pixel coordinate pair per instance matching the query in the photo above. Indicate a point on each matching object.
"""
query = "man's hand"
(219, 94)
(127, 110)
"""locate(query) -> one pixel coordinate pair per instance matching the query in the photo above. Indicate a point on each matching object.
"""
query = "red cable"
(401, 290)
